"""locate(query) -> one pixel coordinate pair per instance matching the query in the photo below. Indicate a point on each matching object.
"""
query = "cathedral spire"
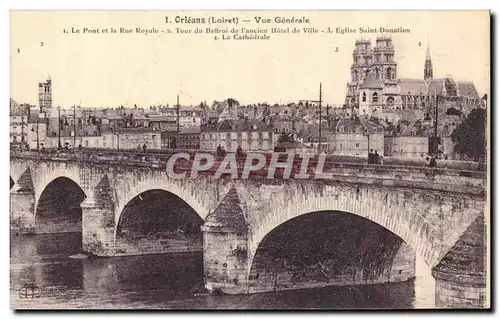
(428, 63)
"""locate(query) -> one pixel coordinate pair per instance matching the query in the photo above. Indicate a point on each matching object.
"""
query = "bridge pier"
(460, 275)
(98, 227)
(225, 262)
(459, 290)
(22, 207)
(225, 248)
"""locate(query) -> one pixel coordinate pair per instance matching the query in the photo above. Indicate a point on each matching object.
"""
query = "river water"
(43, 275)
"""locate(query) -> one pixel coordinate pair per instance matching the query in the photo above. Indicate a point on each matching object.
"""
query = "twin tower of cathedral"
(374, 78)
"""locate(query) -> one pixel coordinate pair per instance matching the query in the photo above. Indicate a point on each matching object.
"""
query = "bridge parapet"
(455, 177)
(164, 155)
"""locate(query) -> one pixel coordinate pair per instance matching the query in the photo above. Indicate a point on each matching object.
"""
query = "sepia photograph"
(258, 160)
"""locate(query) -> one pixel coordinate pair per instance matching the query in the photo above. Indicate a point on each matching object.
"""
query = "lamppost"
(37, 135)
(367, 134)
(22, 128)
(59, 146)
(117, 140)
(74, 126)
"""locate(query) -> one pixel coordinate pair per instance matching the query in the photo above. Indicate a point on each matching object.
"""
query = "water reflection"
(168, 281)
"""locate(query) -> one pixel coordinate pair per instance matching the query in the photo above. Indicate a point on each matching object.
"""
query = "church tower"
(384, 66)
(428, 64)
(360, 68)
(362, 60)
(45, 95)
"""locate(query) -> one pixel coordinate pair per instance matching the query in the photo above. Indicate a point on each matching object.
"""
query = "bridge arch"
(44, 176)
(343, 249)
(129, 191)
(57, 207)
(158, 221)
(385, 208)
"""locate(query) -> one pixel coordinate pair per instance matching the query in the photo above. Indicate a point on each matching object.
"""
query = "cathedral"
(375, 86)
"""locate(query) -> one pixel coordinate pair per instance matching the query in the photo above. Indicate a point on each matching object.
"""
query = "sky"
(106, 70)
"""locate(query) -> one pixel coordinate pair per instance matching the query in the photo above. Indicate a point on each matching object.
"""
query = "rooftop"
(130, 130)
(238, 125)
(371, 82)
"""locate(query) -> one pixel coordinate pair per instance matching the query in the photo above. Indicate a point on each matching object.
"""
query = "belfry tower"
(45, 95)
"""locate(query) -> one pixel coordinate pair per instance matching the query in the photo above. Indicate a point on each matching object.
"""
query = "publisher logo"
(32, 291)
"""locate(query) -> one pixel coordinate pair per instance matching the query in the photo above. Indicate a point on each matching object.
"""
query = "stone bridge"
(383, 215)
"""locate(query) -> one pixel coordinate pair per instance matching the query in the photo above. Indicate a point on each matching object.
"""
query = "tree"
(470, 136)
(232, 102)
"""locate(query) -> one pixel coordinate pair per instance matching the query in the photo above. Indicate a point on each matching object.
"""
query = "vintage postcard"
(249, 159)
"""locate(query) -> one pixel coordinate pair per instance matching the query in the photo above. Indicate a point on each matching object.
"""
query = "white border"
(6, 6)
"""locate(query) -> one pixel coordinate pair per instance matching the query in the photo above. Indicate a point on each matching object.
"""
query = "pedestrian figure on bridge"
(370, 157)
(219, 151)
(239, 152)
(432, 162)
(139, 147)
(376, 158)
(381, 160)
(223, 152)
(144, 147)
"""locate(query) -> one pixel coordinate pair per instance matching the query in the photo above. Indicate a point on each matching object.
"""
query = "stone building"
(18, 122)
(251, 135)
(408, 138)
(132, 138)
(125, 138)
(414, 146)
(163, 122)
(311, 137)
(190, 116)
(189, 138)
(375, 85)
(37, 130)
(355, 136)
